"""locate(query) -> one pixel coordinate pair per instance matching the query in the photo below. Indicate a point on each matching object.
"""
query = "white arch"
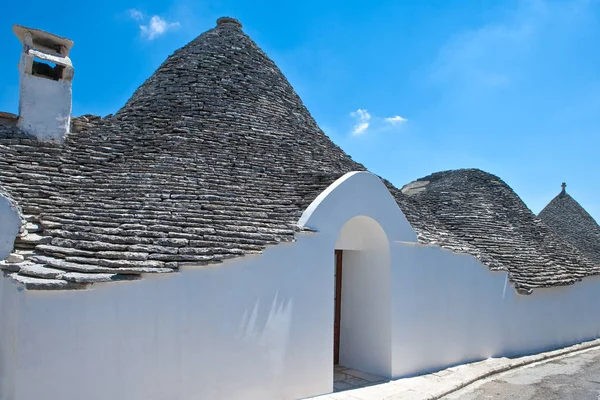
(362, 233)
(358, 214)
(357, 194)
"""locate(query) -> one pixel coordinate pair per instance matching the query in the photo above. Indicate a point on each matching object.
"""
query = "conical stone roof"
(572, 222)
(213, 157)
(475, 212)
(222, 95)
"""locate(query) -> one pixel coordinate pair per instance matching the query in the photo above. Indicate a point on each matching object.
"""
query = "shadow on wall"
(258, 327)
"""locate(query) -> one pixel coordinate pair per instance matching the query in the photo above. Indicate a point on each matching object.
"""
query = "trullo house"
(569, 220)
(208, 241)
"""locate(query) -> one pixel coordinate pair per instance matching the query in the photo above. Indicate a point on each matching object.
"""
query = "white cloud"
(153, 27)
(362, 121)
(365, 122)
(157, 27)
(136, 15)
(396, 120)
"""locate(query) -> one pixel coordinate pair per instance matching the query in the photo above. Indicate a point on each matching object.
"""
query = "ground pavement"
(576, 376)
(568, 376)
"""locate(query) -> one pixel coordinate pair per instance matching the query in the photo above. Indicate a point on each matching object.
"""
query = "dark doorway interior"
(338, 306)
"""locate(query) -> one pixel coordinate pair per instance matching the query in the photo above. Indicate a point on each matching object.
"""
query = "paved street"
(570, 373)
(574, 377)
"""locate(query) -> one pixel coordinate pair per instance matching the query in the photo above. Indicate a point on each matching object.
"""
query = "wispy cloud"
(362, 121)
(136, 15)
(153, 27)
(395, 120)
(365, 122)
(157, 27)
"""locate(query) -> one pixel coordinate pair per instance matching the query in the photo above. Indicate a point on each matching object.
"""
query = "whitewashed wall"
(255, 329)
(262, 327)
(449, 309)
(10, 224)
(44, 107)
(9, 306)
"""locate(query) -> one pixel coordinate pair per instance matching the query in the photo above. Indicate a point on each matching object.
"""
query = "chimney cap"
(42, 37)
(228, 20)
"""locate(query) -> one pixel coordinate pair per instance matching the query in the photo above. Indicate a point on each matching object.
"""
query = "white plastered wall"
(259, 327)
(10, 224)
(249, 329)
(9, 306)
(44, 107)
(449, 309)
(262, 327)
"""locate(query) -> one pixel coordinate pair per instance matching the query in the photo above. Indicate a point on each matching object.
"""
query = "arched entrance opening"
(362, 325)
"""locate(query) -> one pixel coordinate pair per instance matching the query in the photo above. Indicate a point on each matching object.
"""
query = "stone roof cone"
(483, 216)
(213, 157)
(222, 89)
(571, 221)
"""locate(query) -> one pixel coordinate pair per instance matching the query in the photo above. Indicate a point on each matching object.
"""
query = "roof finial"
(229, 20)
(563, 186)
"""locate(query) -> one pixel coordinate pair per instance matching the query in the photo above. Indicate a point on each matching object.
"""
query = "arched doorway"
(362, 328)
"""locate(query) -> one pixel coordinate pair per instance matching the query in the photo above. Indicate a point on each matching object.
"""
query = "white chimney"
(46, 73)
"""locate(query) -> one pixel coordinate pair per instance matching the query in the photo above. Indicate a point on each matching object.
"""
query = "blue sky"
(405, 87)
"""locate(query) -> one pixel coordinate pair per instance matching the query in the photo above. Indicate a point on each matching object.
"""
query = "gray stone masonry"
(569, 220)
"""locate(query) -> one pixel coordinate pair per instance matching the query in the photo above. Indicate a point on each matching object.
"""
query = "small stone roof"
(572, 222)
(472, 211)
(215, 157)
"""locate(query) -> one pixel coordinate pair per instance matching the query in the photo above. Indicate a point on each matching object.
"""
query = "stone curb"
(520, 362)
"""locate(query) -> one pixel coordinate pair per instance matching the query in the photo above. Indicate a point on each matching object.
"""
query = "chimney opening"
(46, 69)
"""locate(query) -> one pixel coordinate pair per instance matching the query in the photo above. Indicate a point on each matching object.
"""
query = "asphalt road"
(574, 377)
